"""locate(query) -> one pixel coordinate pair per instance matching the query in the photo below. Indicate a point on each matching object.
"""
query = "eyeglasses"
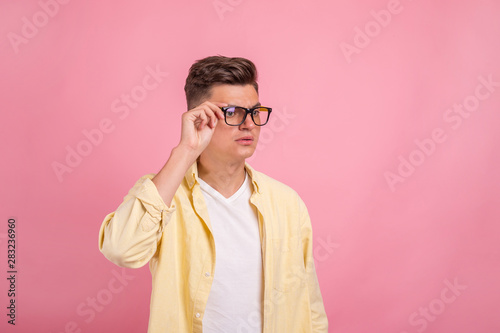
(236, 115)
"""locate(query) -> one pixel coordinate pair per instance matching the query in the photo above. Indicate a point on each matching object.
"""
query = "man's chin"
(249, 153)
(250, 150)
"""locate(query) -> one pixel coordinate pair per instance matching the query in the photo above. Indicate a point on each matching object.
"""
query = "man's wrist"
(184, 153)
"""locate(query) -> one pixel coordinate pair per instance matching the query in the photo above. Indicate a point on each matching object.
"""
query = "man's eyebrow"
(256, 105)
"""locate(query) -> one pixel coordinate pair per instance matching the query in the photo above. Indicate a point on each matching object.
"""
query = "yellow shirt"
(177, 242)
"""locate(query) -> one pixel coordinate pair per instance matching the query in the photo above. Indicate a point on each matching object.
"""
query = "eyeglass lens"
(235, 115)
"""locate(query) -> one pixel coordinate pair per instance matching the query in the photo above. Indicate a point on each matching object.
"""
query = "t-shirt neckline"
(214, 193)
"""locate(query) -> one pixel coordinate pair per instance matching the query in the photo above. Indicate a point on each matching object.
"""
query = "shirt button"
(198, 315)
(207, 274)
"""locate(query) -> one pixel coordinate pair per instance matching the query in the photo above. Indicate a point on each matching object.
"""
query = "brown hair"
(210, 71)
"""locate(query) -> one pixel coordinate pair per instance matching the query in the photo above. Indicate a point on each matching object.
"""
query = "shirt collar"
(191, 176)
(254, 175)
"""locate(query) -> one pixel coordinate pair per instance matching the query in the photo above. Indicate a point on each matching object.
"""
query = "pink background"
(385, 251)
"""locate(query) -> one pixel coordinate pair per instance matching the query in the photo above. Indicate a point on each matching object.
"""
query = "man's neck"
(225, 178)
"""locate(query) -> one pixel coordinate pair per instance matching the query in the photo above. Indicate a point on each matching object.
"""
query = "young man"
(229, 248)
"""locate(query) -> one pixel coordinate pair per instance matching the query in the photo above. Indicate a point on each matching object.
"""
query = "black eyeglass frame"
(225, 108)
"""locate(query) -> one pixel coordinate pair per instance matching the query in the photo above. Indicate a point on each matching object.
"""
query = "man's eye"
(230, 112)
(256, 112)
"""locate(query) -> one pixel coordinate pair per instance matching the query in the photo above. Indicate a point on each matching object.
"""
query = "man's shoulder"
(279, 195)
(272, 186)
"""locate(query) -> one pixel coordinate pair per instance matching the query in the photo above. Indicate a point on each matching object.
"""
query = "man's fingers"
(207, 113)
(219, 112)
(215, 107)
(204, 119)
(211, 114)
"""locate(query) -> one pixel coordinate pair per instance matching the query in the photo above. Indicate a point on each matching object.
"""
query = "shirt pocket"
(288, 264)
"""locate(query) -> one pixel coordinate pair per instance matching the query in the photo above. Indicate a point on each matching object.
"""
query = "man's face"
(230, 143)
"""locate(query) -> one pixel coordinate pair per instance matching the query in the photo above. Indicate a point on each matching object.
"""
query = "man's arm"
(129, 236)
(318, 314)
(198, 126)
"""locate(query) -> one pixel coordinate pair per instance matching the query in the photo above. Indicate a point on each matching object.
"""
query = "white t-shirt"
(235, 300)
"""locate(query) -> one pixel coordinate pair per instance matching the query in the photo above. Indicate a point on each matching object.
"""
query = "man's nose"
(248, 123)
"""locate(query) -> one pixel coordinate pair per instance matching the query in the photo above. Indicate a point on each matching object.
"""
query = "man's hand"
(198, 125)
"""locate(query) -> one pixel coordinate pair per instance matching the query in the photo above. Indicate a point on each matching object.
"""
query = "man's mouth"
(245, 139)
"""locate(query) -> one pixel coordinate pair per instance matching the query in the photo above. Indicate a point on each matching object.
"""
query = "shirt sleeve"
(318, 314)
(129, 236)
